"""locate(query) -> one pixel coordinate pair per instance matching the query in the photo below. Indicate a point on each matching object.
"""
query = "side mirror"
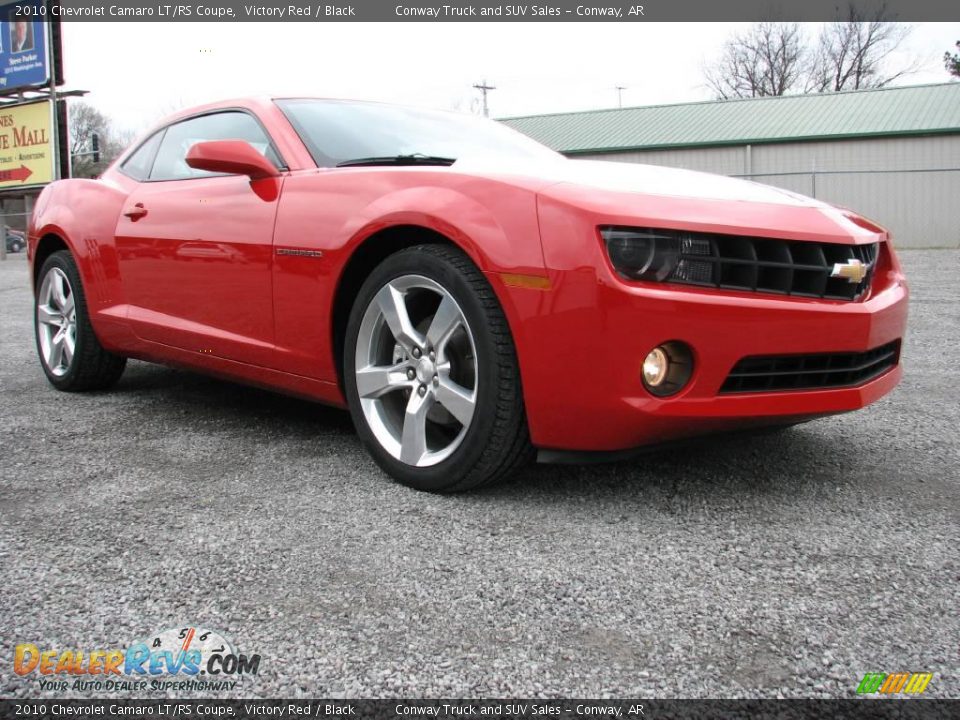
(235, 157)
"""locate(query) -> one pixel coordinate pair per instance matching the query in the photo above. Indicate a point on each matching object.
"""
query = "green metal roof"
(911, 110)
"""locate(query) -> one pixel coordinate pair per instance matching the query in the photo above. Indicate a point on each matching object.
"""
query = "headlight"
(642, 253)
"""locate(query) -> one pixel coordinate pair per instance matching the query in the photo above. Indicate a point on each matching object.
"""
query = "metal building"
(891, 154)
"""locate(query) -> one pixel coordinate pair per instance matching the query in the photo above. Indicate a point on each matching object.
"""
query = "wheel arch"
(49, 243)
(365, 256)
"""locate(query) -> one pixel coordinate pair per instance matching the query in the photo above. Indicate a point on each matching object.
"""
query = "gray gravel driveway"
(776, 565)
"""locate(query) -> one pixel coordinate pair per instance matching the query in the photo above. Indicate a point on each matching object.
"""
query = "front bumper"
(582, 342)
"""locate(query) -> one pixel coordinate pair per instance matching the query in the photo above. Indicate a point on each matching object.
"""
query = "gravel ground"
(753, 567)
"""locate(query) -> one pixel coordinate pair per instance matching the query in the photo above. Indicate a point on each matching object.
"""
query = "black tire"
(497, 441)
(92, 367)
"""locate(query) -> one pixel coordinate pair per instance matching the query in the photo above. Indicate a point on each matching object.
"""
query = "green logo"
(892, 683)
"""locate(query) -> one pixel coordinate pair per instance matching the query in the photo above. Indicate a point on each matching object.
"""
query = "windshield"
(337, 131)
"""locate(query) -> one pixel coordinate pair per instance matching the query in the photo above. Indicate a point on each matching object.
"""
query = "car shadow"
(718, 469)
(231, 401)
(783, 463)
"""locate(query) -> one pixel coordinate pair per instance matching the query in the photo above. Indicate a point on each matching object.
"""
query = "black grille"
(772, 373)
(787, 267)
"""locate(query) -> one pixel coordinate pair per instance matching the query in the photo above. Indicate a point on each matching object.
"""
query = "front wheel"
(431, 374)
(70, 353)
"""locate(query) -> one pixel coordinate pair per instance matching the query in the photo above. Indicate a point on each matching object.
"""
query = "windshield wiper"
(412, 159)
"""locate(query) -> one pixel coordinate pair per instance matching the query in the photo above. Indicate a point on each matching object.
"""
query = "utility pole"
(620, 89)
(484, 88)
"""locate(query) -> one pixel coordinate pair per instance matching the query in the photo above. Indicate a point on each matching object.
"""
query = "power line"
(484, 88)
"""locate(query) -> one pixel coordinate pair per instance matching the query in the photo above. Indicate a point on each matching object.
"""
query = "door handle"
(136, 212)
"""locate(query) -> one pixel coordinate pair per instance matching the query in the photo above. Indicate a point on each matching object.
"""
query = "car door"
(195, 248)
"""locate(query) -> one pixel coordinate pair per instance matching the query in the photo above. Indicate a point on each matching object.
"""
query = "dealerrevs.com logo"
(187, 658)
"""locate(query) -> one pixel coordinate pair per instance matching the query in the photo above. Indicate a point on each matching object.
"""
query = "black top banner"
(486, 11)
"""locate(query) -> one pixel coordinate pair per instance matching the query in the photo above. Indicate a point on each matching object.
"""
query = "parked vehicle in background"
(16, 241)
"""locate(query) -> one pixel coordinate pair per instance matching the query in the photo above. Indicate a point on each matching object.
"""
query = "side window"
(138, 165)
(171, 158)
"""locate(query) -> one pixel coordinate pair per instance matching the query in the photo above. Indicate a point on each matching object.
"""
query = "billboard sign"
(27, 155)
(24, 60)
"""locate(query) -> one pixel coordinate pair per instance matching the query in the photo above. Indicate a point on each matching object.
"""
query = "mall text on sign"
(26, 145)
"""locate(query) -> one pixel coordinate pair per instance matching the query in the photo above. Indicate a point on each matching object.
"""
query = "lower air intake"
(778, 373)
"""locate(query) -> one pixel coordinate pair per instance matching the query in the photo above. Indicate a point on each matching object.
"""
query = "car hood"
(637, 178)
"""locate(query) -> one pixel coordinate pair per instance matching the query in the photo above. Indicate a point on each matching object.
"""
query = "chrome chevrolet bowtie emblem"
(853, 270)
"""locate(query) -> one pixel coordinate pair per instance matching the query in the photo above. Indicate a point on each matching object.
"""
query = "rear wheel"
(70, 354)
(431, 374)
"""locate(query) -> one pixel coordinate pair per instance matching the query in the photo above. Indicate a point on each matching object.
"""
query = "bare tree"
(85, 122)
(854, 53)
(768, 59)
(952, 62)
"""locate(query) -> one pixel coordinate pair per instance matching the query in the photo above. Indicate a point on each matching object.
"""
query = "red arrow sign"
(21, 173)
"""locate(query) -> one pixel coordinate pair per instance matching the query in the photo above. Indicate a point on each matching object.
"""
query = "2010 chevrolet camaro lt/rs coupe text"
(471, 296)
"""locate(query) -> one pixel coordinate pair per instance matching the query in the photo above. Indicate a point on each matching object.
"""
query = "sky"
(138, 72)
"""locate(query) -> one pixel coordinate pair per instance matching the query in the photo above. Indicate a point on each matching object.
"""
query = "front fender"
(499, 234)
(83, 214)
(501, 240)
(335, 212)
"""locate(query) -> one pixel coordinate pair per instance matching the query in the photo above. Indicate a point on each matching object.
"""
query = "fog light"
(655, 368)
(667, 368)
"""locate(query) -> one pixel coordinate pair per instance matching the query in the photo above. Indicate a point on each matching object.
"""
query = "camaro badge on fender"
(299, 252)
(853, 270)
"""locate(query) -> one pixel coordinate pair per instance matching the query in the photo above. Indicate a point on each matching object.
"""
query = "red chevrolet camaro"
(471, 296)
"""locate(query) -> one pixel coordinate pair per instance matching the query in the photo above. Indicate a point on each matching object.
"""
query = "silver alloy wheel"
(56, 322)
(416, 370)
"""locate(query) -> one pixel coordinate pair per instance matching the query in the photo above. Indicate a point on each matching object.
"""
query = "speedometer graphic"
(196, 643)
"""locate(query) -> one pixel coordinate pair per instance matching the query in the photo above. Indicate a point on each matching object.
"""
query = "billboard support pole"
(54, 126)
(3, 232)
